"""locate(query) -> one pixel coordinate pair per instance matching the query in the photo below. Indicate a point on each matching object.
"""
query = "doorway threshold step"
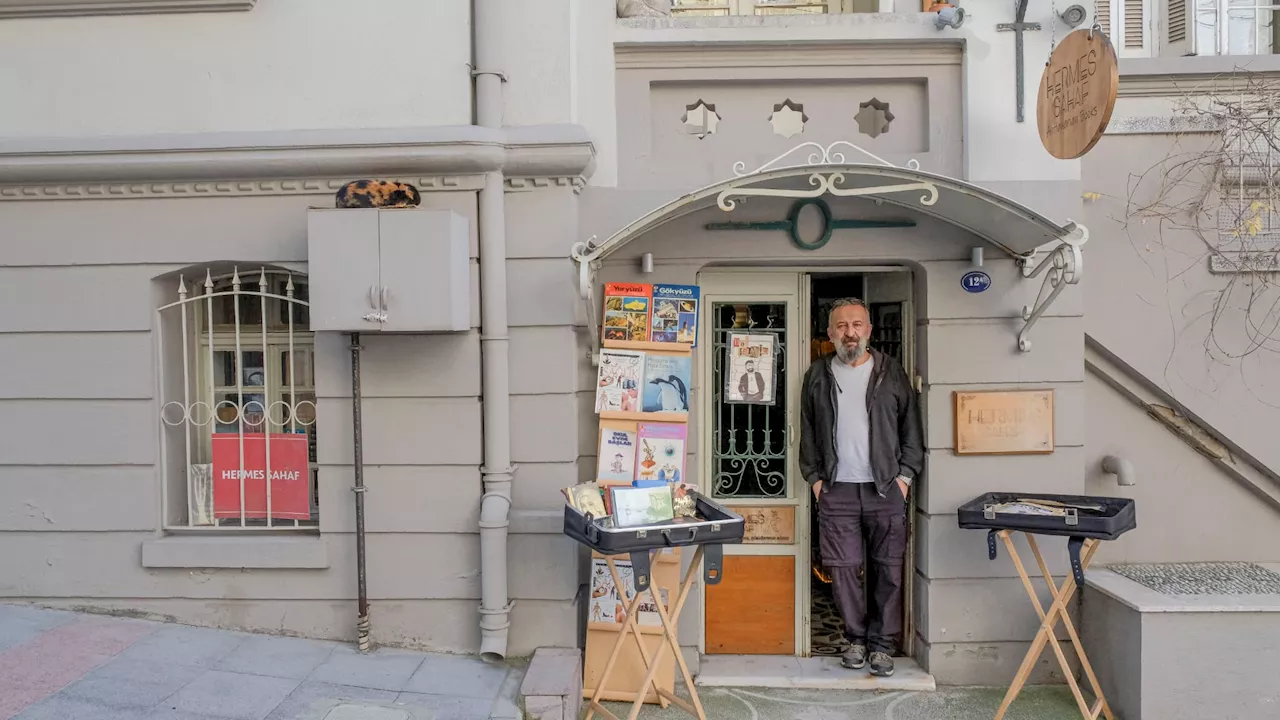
(785, 671)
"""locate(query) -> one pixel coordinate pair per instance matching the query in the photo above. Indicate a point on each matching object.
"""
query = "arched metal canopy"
(1009, 226)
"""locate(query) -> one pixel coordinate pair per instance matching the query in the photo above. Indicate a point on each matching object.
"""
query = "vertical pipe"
(266, 391)
(495, 503)
(362, 619)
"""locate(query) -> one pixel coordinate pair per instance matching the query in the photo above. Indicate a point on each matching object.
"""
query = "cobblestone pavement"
(58, 665)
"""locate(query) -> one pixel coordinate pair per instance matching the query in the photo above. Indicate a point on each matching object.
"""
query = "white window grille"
(1212, 27)
(1249, 213)
(238, 405)
(1231, 27)
(690, 8)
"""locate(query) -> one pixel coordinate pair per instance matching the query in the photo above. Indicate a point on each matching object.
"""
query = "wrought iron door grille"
(749, 442)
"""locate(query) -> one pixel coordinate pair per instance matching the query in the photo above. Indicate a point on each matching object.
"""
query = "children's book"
(618, 380)
(617, 453)
(661, 452)
(666, 382)
(675, 314)
(626, 311)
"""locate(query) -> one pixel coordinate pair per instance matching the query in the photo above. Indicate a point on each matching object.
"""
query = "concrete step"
(1185, 641)
(778, 671)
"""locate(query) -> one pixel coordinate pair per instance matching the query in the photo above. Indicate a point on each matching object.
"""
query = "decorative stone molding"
(298, 163)
(1159, 125)
(821, 53)
(223, 188)
(526, 184)
(68, 8)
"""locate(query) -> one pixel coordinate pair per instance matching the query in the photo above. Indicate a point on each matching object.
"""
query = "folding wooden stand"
(669, 624)
(1048, 625)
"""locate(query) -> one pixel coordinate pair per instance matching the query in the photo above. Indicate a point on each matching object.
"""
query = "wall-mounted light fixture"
(1073, 15)
(646, 263)
(949, 16)
(975, 256)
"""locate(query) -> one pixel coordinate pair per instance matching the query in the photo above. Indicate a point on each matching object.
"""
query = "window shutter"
(1133, 25)
(1103, 16)
(1177, 35)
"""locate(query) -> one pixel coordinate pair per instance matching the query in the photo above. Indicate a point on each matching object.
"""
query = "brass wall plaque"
(772, 525)
(1003, 422)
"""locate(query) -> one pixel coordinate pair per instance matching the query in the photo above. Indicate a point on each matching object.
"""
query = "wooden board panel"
(768, 525)
(1003, 422)
(753, 609)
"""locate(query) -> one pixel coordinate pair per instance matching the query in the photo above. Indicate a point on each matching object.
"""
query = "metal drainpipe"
(495, 504)
(362, 617)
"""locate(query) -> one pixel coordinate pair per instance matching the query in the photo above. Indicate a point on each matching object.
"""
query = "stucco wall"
(78, 462)
(1203, 337)
(284, 65)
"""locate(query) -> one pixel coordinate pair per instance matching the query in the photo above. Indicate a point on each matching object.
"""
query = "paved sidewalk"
(1035, 703)
(58, 665)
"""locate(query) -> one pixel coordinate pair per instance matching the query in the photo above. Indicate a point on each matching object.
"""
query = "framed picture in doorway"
(750, 372)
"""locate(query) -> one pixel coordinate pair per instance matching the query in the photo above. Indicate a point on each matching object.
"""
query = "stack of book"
(641, 503)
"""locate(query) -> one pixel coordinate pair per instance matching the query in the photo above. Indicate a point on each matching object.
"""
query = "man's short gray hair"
(846, 302)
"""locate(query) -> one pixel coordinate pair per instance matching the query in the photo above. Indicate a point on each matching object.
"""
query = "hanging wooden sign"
(1077, 94)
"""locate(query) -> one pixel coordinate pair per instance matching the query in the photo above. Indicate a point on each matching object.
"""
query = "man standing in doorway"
(861, 446)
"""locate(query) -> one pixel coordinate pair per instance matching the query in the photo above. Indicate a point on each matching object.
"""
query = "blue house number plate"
(975, 281)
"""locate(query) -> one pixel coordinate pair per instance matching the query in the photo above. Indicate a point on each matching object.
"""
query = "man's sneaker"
(855, 657)
(881, 664)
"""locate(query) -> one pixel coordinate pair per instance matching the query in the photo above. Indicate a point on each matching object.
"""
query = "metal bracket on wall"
(1065, 265)
(584, 254)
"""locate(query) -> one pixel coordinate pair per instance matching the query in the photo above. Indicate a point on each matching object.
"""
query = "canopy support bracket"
(1065, 265)
(584, 254)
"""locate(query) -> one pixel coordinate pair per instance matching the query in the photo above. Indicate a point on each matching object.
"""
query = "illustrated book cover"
(608, 605)
(661, 454)
(618, 380)
(750, 371)
(617, 452)
(626, 311)
(666, 382)
(634, 506)
(675, 314)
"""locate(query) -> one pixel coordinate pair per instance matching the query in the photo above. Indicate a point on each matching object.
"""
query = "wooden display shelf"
(648, 346)
(676, 417)
(619, 627)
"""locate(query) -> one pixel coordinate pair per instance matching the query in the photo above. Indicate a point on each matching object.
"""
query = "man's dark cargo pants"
(857, 528)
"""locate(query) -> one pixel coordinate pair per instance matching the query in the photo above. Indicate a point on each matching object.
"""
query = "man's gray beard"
(848, 354)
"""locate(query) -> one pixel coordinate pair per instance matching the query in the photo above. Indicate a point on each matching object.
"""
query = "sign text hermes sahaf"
(1077, 94)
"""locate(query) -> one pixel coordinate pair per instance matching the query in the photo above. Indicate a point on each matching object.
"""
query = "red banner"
(290, 477)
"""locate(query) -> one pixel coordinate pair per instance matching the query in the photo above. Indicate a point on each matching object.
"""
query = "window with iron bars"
(693, 8)
(238, 403)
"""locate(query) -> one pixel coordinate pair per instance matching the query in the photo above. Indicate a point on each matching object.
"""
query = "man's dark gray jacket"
(897, 439)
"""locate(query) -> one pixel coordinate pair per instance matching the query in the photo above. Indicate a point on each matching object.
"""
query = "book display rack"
(639, 513)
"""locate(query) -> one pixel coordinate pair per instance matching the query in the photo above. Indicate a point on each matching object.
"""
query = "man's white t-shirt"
(853, 426)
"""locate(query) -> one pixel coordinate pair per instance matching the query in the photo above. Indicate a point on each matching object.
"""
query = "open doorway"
(887, 294)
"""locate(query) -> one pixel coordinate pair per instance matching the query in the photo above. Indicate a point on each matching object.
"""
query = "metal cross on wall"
(1018, 26)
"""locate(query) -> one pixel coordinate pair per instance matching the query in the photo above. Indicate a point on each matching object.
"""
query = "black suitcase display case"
(1117, 516)
(721, 526)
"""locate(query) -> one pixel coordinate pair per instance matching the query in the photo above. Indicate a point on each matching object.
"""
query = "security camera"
(952, 17)
(1073, 15)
